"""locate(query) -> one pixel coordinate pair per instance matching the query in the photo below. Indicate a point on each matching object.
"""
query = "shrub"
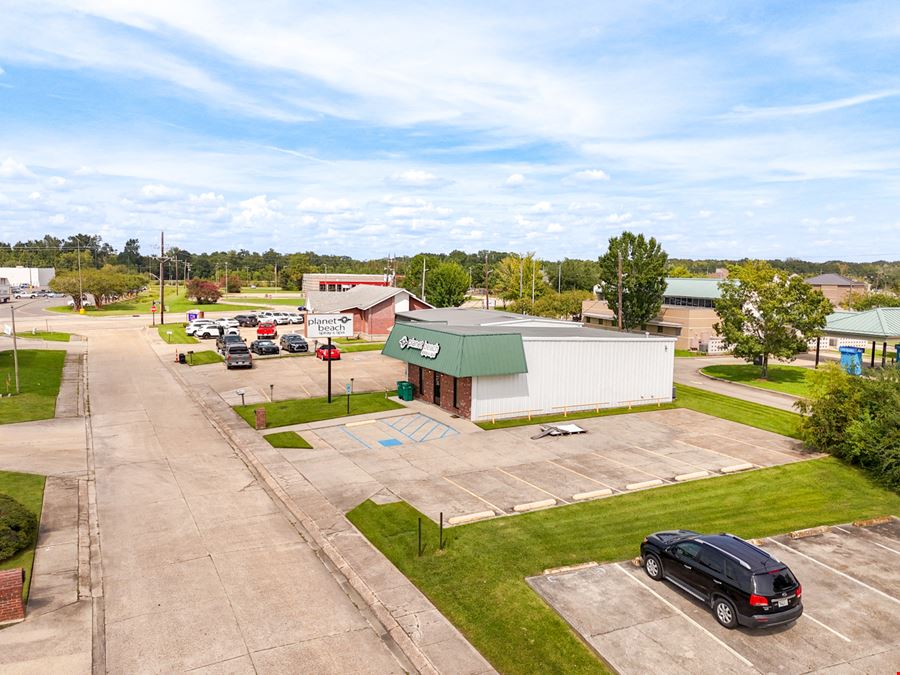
(18, 527)
(856, 419)
(203, 291)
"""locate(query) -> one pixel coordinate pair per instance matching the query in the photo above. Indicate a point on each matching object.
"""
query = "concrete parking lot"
(851, 620)
(441, 464)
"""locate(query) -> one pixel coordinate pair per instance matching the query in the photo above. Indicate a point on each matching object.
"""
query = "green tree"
(643, 278)
(564, 305)
(446, 285)
(418, 265)
(68, 284)
(682, 272)
(203, 291)
(764, 312)
(513, 277)
(864, 301)
(291, 275)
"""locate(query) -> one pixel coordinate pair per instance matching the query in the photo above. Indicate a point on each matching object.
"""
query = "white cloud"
(555, 227)
(315, 205)
(515, 180)
(57, 181)
(467, 221)
(662, 215)
(840, 220)
(34, 196)
(705, 213)
(206, 198)
(85, 171)
(417, 178)
(158, 193)
(618, 217)
(591, 175)
(748, 113)
(542, 207)
(57, 219)
(10, 168)
(259, 209)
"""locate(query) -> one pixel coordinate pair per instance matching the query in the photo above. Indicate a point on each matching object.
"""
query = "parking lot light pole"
(12, 310)
(329, 370)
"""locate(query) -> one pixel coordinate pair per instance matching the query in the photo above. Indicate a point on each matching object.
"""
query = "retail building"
(486, 365)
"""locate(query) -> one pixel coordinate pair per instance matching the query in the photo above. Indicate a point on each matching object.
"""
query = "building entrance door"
(437, 387)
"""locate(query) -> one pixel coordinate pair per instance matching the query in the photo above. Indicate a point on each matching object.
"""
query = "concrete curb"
(782, 394)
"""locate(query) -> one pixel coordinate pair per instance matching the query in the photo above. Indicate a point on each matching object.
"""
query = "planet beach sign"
(426, 349)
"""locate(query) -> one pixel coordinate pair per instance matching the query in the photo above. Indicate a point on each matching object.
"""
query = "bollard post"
(271, 392)
(442, 532)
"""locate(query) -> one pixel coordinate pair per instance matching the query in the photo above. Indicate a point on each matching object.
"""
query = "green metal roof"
(457, 351)
(879, 323)
(692, 288)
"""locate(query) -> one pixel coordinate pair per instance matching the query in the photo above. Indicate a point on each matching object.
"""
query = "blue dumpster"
(851, 359)
(192, 315)
(897, 356)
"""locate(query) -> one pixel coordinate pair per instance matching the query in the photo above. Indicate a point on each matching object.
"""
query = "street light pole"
(162, 274)
(12, 310)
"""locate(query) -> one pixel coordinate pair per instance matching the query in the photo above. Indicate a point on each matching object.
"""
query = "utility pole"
(487, 290)
(176, 276)
(423, 278)
(80, 281)
(521, 268)
(162, 273)
(559, 278)
(620, 290)
(12, 310)
(275, 283)
(217, 272)
(533, 263)
(226, 276)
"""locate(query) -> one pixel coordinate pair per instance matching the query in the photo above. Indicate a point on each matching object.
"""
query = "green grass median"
(302, 410)
(48, 335)
(478, 580)
(178, 336)
(287, 439)
(792, 380)
(204, 357)
(140, 304)
(28, 490)
(40, 374)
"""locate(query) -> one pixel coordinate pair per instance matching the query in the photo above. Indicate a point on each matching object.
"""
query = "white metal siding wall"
(579, 374)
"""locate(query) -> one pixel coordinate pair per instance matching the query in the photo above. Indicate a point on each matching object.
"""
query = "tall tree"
(514, 275)
(446, 285)
(417, 270)
(643, 266)
(764, 312)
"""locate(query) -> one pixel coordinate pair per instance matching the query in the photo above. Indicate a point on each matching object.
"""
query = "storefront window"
(455, 393)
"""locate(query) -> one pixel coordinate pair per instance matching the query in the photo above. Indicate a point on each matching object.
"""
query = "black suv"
(247, 320)
(742, 584)
(291, 342)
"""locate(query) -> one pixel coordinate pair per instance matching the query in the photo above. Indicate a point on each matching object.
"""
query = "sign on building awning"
(457, 351)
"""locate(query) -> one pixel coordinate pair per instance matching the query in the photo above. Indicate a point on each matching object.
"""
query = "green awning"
(457, 351)
(880, 323)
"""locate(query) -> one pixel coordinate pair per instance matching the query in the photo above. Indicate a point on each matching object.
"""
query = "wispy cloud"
(772, 112)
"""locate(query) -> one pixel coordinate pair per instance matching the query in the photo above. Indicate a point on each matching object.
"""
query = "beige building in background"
(687, 313)
(836, 288)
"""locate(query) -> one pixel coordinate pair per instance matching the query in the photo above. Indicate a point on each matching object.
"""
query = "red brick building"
(374, 308)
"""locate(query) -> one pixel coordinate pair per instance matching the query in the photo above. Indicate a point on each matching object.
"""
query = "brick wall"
(415, 303)
(381, 317)
(11, 608)
(463, 393)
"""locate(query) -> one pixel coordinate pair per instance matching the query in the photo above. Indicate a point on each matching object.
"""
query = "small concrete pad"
(498, 488)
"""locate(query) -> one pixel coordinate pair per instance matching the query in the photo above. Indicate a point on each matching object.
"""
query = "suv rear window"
(771, 583)
(238, 349)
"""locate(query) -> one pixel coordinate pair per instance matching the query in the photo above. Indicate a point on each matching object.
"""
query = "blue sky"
(725, 129)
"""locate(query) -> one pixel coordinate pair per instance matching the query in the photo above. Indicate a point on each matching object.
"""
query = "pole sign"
(329, 325)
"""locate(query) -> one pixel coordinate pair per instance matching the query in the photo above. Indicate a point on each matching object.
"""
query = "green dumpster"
(405, 391)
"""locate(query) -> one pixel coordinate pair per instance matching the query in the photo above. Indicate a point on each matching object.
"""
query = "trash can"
(182, 358)
(897, 356)
(851, 359)
(405, 391)
(757, 360)
(202, 315)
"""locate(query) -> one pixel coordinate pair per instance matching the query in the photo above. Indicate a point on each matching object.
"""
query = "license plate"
(782, 602)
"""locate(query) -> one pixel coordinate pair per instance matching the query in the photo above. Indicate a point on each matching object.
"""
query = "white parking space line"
(628, 466)
(512, 475)
(806, 615)
(674, 459)
(678, 611)
(497, 509)
(761, 447)
(828, 567)
(578, 473)
(841, 529)
(886, 548)
(715, 452)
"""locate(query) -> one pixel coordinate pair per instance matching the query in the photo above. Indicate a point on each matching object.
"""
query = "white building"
(31, 276)
(489, 365)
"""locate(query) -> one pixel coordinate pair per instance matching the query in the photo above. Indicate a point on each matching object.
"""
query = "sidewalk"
(687, 371)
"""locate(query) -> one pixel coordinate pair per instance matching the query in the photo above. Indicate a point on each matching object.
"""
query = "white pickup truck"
(5, 290)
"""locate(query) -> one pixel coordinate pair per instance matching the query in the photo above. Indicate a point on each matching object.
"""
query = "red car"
(266, 330)
(327, 353)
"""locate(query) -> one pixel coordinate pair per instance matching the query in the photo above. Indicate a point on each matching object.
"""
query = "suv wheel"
(725, 613)
(653, 567)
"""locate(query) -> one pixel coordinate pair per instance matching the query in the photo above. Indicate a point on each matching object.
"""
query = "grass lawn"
(178, 336)
(734, 409)
(688, 354)
(362, 347)
(788, 379)
(477, 581)
(203, 357)
(287, 439)
(40, 372)
(50, 336)
(292, 303)
(580, 415)
(175, 304)
(28, 490)
(302, 410)
(737, 410)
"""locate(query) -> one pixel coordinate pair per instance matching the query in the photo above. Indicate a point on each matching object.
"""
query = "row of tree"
(287, 269)
(107, 284)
